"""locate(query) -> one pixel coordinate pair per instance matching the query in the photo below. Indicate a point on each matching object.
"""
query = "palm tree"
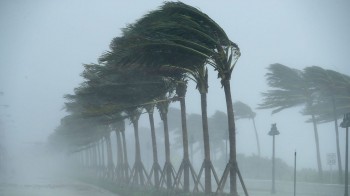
(200, 76)
(290, 90)
(180, 35)
(168, 169)
(224, 60)
(155, 166)
(78, 133)
(332, 87)
(135, 89)
(242, 110)
(108, 96)
(87, 102)
(185, 166)
(131, 94)
(137, 174)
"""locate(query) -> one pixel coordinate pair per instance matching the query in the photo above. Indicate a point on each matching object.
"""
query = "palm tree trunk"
(87, 153)
(99, 155)
(185, 145)
(94, 156)
(181, 89)
(88, 159)
(102, 154)
(206, 143)
(81, 160)
(120, 160)
(125, 157)
(88, 156)
(138, 162)
(319, 163)
(109, 156)
(256, 137)
(91, 156)
(167, 149)
(154, 146)
(137, 142)
(340, 169)
(84, 157)
(232, 136)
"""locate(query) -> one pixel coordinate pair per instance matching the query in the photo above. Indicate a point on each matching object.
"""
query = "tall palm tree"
(137, 175)
(155, 166)
(290, 90)
(185, 166)
(331, 87)
(207, 166)
(242, 110)
(101, 96)
(126, 167)
(79, 133)
(133, 89)
(224, 60)
(180, 35)
(200, 76)
(168, 169)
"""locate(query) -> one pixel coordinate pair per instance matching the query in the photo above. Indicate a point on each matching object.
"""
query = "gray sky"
(43, 45)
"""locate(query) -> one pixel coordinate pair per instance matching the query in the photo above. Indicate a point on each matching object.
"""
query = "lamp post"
(346, 124)
(272, 133)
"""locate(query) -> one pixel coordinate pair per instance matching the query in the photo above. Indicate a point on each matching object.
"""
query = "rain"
(80, 80)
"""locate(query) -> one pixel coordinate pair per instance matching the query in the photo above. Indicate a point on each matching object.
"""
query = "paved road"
(285, 188)
(48, 186)
(43, 177)
(70, 189)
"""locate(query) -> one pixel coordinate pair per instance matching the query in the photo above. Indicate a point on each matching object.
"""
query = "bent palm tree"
(290, 90)
(180, 35)
(155, 166)
(185, 166)
(242, 110)
(332, 87)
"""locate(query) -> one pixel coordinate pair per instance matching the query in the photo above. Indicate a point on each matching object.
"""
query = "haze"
(44, 44)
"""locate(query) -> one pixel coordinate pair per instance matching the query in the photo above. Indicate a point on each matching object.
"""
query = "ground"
(48, 186)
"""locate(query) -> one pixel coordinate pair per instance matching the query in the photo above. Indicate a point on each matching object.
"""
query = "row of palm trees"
(324, 95)
(148, 67)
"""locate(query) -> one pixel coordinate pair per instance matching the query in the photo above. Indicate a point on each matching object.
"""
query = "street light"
(272, 133)
(346, 124)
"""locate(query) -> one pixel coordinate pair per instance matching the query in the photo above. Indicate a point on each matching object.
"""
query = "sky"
(43, 45)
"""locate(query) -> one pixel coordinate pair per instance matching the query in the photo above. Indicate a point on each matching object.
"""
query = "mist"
(45, 44)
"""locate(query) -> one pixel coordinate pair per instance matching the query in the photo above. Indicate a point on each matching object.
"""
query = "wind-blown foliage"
(323, 93)
(165, 47)
(332, 89)
(290, 89)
